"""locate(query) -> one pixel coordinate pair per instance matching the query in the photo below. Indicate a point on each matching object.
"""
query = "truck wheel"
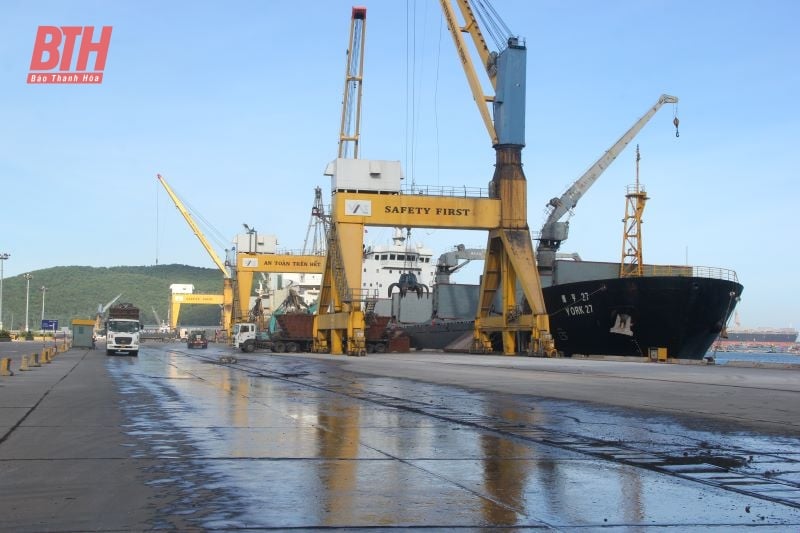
(380, 347)
(248, 347)
(291, 347)
(279, 347)
(134, 353)
(109, 352)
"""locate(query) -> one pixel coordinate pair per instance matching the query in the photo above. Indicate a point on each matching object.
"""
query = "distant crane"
(317, 232)
(162, 326)
(101, 310)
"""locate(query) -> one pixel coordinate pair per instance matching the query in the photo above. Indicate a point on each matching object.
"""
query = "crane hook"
(676, 122)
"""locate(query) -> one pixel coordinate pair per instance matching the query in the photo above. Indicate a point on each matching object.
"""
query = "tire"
(248, 347)
(134, 353)
(279, 347)
(291, 347)
(109, 352)
(380, 348)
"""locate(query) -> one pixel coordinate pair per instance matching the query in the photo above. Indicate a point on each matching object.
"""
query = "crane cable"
(492, 24)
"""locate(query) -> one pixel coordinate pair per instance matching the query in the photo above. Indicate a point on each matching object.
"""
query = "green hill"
(77, 291)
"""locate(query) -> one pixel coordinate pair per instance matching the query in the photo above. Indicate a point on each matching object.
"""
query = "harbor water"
(722, 358)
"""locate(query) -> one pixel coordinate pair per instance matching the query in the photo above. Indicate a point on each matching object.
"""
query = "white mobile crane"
(451, 262)
(555, 231)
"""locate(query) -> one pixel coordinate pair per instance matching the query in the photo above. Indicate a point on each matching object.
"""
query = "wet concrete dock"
(175, 439)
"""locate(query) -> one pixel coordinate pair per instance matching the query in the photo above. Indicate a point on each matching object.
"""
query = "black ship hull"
(632, 316)
(618, 317)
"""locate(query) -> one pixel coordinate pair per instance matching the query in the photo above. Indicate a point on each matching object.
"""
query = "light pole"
(44, 291)
(27, 299)
(3, 257)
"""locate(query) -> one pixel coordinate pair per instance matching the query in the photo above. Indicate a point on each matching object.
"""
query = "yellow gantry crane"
(227, 280)
(510, 260)
(367, 192)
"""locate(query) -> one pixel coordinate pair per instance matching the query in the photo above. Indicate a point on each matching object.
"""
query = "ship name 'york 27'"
(436, 211)
(574, 310)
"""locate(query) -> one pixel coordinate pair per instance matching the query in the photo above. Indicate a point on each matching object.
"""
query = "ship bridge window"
(392, 257)
(401, 257)
(384, 257)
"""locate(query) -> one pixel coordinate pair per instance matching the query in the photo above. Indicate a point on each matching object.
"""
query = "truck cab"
(247, 337)
(122, 335)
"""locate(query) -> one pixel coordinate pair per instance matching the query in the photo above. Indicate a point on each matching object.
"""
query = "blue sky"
(238, 103)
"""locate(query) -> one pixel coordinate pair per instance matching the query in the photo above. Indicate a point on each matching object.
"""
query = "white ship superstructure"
(383, 264)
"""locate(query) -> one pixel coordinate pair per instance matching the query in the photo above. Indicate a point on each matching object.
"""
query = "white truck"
(123, 329)
(247, 337)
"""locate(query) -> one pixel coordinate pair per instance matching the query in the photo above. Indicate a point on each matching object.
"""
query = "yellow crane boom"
(488, 59)
(199, 234)
(227, 283)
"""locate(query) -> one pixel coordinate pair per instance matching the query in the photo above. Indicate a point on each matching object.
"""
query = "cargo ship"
(763, 335)
(758, 339)
(681, 310)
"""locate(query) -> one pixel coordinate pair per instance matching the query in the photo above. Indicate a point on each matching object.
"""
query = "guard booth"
(82, 332)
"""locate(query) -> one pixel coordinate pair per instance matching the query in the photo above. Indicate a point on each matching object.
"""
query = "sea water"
(722, 358)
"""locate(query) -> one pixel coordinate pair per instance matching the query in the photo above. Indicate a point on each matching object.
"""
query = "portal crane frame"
(510, 261)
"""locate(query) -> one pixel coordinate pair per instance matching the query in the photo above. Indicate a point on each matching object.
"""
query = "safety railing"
(690, 271)
(462, 191)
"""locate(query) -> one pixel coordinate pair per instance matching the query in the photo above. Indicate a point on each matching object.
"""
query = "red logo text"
(54, 59)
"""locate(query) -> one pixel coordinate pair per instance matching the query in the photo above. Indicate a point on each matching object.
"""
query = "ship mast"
(631, 264)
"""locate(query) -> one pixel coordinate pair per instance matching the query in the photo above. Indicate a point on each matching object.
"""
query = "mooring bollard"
(24, 363)
(5, 367)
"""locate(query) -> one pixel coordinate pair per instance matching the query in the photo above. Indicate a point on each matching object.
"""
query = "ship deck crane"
(555, 231)
(227, 281)
(451, 262)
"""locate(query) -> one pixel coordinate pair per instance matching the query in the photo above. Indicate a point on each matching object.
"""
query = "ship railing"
(361, 295)
(295, 251)
(691, 271)
(462, 191)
